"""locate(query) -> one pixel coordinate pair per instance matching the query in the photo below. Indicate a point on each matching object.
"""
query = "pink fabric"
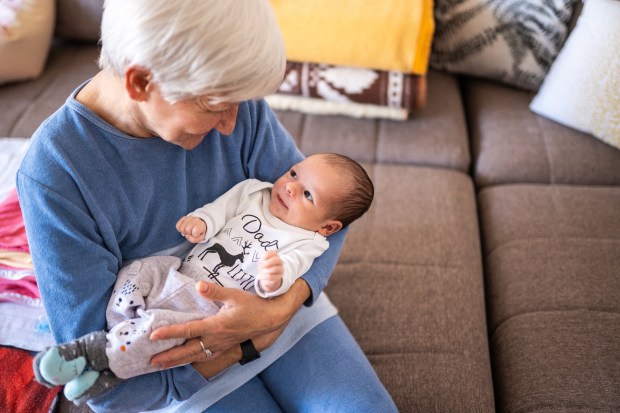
(14, 290)
(12, 229)
(23, 322)
(13, 240)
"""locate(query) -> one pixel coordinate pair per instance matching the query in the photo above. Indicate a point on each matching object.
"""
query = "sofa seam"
(546, 147)
(400, 353)
(493, 251)
(501, 323)
(538, 406)
(360, 262)
(375, 155)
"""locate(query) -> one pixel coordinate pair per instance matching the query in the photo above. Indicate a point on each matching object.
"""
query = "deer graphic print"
(226, 258)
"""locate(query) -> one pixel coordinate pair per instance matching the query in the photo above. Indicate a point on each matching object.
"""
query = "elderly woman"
(174, 119)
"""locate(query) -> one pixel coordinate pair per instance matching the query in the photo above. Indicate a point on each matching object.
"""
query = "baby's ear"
(330, 227)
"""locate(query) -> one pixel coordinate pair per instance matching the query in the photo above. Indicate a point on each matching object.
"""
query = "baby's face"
(305, 195)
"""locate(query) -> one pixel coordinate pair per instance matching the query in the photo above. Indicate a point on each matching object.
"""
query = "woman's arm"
(75, 271)
(75, 274)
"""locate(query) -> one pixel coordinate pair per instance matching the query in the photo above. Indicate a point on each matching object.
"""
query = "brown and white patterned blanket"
(354, 85)
(329, 89)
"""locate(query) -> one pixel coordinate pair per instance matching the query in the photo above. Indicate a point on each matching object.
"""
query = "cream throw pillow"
(25, 37)
(582, 89)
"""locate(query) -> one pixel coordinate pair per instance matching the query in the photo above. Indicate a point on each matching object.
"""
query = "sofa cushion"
(511, 144)
(409, 286)
(25, 37)
(558, 362)
(79, 19)
(435, 136)
(23, 106)
(552, 255)
(582, 89)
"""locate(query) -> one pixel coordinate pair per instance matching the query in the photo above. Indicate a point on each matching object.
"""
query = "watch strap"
(249, 352)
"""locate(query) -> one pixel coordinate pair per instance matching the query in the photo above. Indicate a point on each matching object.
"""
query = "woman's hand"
(242, 316)
(213, 365)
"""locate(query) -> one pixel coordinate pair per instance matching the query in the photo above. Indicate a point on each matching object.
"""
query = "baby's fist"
(192, 228)
(270, 271)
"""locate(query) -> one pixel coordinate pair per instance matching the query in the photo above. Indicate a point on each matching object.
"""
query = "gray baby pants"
(150, 293)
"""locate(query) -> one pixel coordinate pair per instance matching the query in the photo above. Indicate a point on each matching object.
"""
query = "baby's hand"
(192, 228)
(270, 271)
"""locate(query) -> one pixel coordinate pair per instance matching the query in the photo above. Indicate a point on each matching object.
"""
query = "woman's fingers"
(214, 331)
(208, 330)
(190, 352)
(186, 330)
(214, 292)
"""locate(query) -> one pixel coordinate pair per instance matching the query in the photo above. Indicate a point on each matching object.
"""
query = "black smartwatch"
(249, 352)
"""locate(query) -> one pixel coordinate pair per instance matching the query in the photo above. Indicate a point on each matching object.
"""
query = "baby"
(257, 237)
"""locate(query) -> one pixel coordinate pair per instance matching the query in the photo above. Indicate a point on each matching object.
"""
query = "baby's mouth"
(282, 201)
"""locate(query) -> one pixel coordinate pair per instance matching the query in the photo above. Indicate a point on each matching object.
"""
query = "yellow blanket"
(378, 34)
(15, 259)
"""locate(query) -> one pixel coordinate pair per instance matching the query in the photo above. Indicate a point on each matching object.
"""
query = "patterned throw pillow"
(511, 41)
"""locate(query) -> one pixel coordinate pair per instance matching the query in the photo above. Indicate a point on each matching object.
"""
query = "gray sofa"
(486, 276)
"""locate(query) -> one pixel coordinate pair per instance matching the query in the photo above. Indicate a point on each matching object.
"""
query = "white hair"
(228, 50)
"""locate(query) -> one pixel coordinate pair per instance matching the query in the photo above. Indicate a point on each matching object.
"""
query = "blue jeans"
(325, 371)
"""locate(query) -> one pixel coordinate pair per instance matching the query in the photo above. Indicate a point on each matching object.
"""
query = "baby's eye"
(308, 195)
(293, 173)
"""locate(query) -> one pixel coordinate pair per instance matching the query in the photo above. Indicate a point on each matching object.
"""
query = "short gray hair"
(229, 50)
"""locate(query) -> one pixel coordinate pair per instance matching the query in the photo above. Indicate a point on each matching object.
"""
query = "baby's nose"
(290, 188)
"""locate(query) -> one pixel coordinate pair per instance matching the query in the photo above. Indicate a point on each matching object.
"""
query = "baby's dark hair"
(359, 193)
